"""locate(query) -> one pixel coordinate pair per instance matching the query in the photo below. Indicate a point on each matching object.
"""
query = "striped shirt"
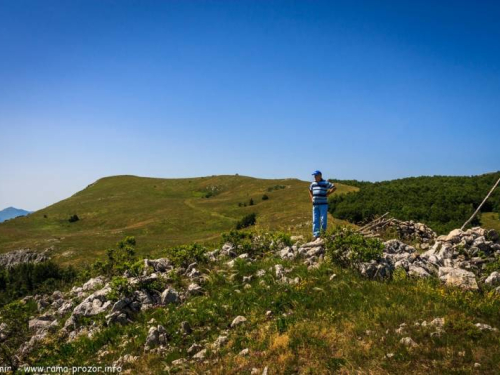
(319, 190)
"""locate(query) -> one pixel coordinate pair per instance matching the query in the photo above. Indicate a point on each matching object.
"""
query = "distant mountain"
(12, 212)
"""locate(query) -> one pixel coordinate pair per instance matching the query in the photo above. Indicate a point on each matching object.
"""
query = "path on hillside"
(188, 202)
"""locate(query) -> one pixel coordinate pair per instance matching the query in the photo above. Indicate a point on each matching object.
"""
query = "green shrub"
(31, 278)
(493, 266)
(256, 243)
(346, 247)
(246, 221)
(119, 259)
(73, 218)
(276, 187)
(16, 316)
(185, 254)
(119, 287)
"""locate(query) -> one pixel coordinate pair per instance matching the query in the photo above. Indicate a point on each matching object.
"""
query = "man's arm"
(330, 191)
(311, 195)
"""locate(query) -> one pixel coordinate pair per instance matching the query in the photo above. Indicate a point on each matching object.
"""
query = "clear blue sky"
(366, 90)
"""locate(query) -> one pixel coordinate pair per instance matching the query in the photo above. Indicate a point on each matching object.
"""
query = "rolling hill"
(159, 213)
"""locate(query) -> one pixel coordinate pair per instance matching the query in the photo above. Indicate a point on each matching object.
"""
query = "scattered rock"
(194, 289)
(201, 354)
(220, 342)
(493, 279)
(407, 341)
(239, 320)
(195, 348)
(169, 295)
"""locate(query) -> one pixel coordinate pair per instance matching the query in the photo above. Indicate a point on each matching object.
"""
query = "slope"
(159, 213)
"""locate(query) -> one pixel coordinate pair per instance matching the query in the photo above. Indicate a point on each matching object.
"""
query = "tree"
(73, 218)
(246, 221)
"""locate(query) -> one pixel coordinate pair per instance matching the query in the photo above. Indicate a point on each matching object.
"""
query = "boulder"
(169, 295)
(94, 304)
(458, 277)
(454, 236)
(493, 279)
(41, 323)
(93, 283)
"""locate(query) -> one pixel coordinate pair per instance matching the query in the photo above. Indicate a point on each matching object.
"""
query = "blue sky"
(366, 90)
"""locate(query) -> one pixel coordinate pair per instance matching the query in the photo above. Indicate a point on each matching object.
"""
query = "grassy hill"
(159, 213)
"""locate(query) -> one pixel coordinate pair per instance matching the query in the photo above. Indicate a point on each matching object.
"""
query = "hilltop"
(159, 213)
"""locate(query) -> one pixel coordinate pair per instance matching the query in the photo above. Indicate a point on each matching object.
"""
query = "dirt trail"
(188, 202)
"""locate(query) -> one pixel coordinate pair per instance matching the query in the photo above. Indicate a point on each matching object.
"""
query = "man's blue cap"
(316, 172)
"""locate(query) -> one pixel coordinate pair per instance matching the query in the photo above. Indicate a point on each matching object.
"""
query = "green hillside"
(159, 213)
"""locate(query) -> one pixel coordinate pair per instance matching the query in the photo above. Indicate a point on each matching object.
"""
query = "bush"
(16, 316)
(73, 218)
(256, 243)
(265, 197)
(186, 254)
(31, 278)
(348, 248)
(250, 202)
(119, 259)
(276, 187)
(247, 221)
(119, 287)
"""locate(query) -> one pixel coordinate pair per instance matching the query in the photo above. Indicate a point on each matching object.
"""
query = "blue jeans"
(320, 213)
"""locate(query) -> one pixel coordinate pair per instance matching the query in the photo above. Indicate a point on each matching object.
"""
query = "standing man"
(319, 190)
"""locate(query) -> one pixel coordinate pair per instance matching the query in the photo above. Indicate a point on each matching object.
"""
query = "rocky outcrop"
(16, 257)
(157, 336)
(458, 259)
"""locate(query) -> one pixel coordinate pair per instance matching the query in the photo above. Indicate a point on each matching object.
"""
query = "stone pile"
(460, 258)
(406, 230)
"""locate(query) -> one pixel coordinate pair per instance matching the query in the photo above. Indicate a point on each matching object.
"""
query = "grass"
(318, 326)
(160, 213)
(490, 220)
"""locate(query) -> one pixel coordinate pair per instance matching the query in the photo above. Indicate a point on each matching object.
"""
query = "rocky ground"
(459, 260)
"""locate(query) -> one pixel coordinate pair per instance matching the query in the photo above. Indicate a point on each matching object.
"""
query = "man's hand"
(331, 191)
